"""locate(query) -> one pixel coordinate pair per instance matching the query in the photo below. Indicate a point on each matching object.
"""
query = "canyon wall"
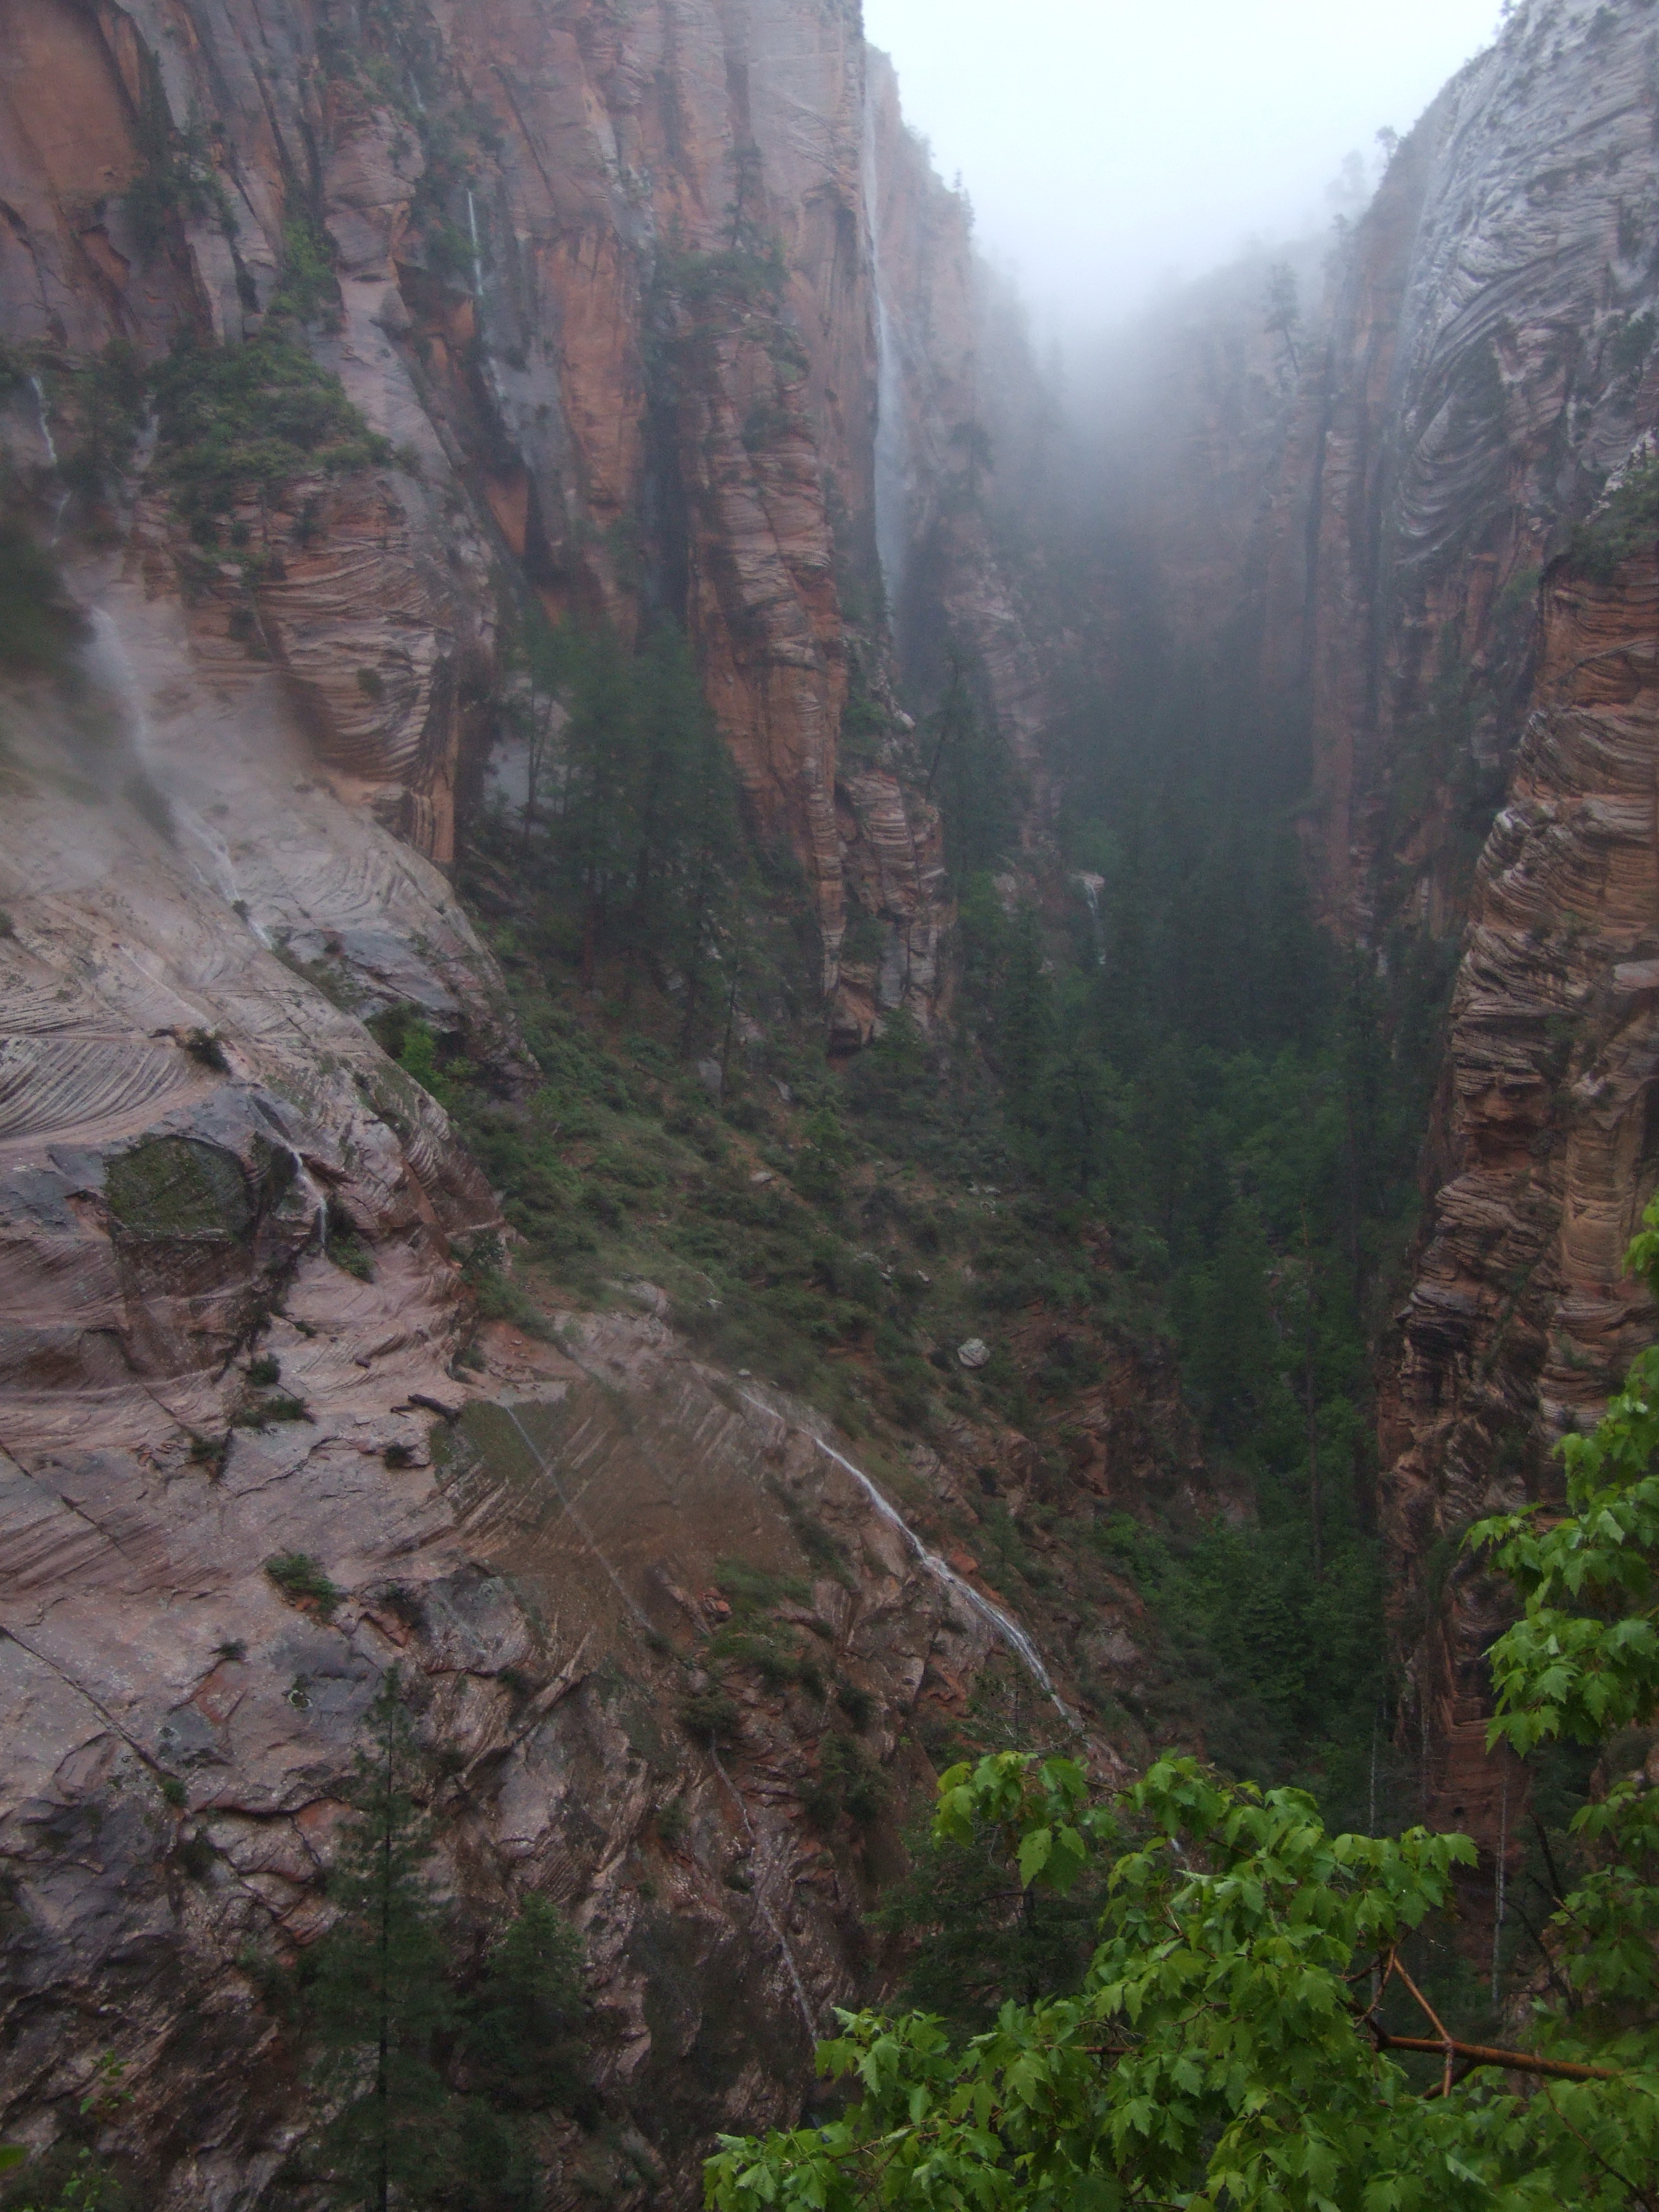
(606, 280)
(600, 284)
(1364, 528)
(1483, 748)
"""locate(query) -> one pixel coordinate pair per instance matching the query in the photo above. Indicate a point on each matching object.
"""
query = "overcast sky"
(1106, 145)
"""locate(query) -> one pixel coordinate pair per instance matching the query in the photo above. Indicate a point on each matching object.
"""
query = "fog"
(1110, 151)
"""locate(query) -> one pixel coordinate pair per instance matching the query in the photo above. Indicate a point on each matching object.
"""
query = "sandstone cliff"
(1357, 532)
(600, 285)
(1489, 359)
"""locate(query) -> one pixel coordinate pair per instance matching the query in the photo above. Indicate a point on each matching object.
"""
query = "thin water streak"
(478, 259)
(52, 456)
(766, 1911)
(1091, 887)
(1009, 1630)
(891, 456)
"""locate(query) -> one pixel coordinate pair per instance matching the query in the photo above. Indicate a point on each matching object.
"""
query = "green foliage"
(1626, 523)
(1228, 2042)
(236, 420)
(301, 1579)
(1582, 1664)
(710, 1716)
(628, 833)
(1285, 1671)
(981, 1936)
(1232, 1346)
(177, 177)
(79, 2183)
(848, 1782)
(377, 1988)
(343, 1244)
(306, 289)
(969, 777)
(70, 2176)
(1214, 2051)
(259, 1412)
(166, 1187)
(434, 2076)
(101, 402)
(747, 277)
(1584, 1658)
(523, 2043)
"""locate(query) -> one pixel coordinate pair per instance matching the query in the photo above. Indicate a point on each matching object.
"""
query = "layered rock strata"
(1521, 1320)
(1490, 360)
(1352, 515)
(612, 278)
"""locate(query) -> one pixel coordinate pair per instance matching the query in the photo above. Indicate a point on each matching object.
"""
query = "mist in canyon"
(828, 942)
(1113, 154)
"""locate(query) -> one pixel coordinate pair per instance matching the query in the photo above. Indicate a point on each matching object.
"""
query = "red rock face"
(645, 360)
(1482, 747)
(1488, 362)
(950, 382)
(1521, 1320)
(616, 322)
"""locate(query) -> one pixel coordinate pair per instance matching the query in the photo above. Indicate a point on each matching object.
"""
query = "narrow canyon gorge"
(655, 919)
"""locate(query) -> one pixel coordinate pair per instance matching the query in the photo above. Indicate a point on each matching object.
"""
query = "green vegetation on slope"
(1247, 2031)
(1176, 1123)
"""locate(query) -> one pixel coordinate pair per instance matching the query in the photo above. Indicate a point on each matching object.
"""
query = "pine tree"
(981, 1937)
(378, 1988)
(523, 2043)
(1233, 1355)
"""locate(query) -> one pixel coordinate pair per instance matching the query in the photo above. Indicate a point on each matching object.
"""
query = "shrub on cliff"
(1626, 523)
(432, 2082)
(237, 420)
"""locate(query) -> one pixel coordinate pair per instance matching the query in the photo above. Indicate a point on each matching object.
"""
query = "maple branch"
(1485, 2054)
(1395, 1967)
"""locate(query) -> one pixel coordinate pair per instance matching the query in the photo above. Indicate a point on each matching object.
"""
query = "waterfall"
(1091, 887)
(930, 1563)
(891, 454)
(110, 666)
(45, 425)
(52, 455)
(224, 868)
(477, 262)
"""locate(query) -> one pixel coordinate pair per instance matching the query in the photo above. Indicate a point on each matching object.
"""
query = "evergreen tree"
(981, 1938)
(1233, 1354)
(522, 2044)
(378, 1986)
(1077, 1110)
